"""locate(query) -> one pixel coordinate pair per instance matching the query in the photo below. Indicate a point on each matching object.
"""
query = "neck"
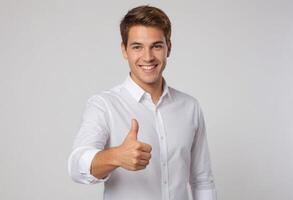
(154, 89)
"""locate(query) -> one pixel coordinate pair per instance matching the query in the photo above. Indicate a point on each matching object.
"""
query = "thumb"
(133, 130)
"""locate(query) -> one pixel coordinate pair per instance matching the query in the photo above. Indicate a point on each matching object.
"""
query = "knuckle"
(149, 148)
(136, 154)
(149, 156)
(137, 145)
(140, 145)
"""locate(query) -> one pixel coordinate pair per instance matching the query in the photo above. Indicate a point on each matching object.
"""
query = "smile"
(148, 67)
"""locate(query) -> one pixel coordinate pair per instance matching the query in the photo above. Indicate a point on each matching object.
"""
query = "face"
(147, 53)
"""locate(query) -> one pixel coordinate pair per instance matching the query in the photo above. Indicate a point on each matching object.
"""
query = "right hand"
(134, 155)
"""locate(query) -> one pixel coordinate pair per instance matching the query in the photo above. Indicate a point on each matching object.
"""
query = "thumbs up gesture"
(133, 154)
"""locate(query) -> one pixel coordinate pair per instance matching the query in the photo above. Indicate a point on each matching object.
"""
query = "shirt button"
(165, 182)
(162, 137)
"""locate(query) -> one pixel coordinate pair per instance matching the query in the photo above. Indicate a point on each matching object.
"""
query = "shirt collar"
(137, 92)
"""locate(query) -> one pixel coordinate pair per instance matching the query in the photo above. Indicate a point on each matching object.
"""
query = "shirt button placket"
(164, 157)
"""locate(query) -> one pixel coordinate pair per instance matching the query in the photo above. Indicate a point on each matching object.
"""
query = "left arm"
(201, 177)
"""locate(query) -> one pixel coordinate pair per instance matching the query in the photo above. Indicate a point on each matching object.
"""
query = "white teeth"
(148, 67)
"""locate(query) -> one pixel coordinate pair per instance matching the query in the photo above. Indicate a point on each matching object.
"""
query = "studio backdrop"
(235, 57)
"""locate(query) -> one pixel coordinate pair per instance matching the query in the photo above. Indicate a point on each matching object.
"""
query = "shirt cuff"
(85, 166)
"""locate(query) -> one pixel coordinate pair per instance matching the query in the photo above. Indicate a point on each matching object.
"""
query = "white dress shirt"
(175, 129)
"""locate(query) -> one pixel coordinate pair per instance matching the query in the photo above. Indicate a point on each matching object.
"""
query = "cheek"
(132, 62)
(133, 58)
(161, 55)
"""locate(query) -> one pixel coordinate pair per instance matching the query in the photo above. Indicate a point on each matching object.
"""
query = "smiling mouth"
(148, 68)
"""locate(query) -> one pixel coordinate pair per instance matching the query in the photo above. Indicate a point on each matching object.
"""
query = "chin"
(150, 80)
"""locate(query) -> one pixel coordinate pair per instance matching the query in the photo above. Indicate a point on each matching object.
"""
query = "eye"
(136, 47)
(158, 46)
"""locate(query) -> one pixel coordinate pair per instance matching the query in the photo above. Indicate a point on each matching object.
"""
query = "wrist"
(115, 161)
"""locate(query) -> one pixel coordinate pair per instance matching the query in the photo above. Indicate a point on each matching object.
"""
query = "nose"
(148, 55)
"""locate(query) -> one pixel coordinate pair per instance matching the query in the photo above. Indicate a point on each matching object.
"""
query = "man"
(144, 139)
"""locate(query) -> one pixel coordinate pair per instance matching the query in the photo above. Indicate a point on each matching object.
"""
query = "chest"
(172, 126)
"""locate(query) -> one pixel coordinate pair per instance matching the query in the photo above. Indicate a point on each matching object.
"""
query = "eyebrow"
(138, 43)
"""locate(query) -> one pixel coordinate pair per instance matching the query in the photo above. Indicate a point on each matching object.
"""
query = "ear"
(124, 51)
(169, 45)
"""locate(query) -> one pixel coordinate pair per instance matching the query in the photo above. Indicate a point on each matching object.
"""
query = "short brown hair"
(146, 16)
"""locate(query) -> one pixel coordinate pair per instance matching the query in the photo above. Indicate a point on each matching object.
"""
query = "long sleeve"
(91, 138)
(201, 177)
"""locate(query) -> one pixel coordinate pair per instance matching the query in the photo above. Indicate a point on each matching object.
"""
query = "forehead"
(145, 34)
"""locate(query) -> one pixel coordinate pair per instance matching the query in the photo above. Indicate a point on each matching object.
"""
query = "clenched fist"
(133, 154)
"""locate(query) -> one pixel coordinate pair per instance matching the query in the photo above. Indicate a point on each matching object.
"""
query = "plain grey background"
(236, 57)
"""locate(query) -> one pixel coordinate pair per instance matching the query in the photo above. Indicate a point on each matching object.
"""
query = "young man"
(144, 139)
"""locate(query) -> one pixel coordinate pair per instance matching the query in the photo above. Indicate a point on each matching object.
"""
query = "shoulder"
(178, 95)
(105, 96)
(190, 103)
